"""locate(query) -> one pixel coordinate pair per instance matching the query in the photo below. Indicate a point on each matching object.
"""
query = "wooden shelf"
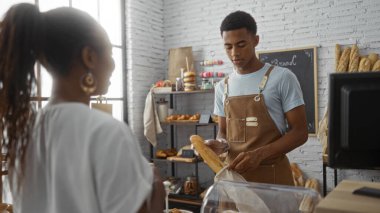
(183, 92)
(191, 160)
(182, 123)
(195, 202)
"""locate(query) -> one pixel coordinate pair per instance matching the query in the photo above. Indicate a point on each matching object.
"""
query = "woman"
(67, 157)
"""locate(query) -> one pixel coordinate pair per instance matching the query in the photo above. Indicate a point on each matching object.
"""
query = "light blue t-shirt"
(281, 93)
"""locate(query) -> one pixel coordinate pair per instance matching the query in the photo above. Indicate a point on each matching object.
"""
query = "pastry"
(189, 79)
(160, 154)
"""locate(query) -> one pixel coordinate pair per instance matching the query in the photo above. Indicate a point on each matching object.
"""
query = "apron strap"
(262, 85)
(264, 81)
(226, 87)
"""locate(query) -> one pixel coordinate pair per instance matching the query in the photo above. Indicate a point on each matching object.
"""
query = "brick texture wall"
(156, 26)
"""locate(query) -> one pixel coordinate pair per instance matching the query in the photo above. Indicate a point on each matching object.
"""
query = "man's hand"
(219, 146)
(246, 160)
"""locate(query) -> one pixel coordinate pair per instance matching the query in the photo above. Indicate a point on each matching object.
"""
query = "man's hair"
(237, 20)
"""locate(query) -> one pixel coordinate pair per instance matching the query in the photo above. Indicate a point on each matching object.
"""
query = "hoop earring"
(88, 83)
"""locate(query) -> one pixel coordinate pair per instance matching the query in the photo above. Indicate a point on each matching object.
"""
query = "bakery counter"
(341, 199)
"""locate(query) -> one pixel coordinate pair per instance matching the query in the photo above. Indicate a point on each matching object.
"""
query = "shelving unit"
(209, 74)
(183, 199)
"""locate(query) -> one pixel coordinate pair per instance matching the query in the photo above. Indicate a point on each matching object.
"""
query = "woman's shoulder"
(81, 116)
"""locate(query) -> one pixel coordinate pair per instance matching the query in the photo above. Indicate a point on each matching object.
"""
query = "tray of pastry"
(183, 118)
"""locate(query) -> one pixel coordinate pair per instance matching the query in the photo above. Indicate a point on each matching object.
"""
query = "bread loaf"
(338, 52)
(312, 183)
(373, 57)
(297, 175)
(365, 65)
(354, 62)
(354, 50)
(306, 205)
(376, 66)
(209, 156)
(344, 60)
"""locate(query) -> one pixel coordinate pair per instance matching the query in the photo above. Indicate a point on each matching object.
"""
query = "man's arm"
(295, 137)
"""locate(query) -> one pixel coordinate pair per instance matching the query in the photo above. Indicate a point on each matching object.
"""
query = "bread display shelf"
(180, 121)
(183, 92)
(179, 160)
(187, 123)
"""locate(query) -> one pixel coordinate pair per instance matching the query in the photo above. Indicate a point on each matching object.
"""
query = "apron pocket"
(235, 130)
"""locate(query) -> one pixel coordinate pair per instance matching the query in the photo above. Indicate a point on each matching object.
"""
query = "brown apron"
(249, 126)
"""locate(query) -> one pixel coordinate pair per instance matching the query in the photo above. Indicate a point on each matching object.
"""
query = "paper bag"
(177, 60)
(105, 107)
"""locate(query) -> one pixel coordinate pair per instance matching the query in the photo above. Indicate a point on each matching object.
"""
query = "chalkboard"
(302, 62)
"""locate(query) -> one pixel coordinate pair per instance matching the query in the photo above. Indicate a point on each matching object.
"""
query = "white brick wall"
(281, 24)
(145, 58)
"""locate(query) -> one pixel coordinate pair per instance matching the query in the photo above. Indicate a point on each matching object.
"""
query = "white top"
(83, 161)
(281, 93)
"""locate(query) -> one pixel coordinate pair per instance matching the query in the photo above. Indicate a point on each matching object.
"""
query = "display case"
(228, 197)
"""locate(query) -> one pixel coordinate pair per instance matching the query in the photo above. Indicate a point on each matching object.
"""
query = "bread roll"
(189, 74)
(189, 80)
(189, 89)
(344, 60)
(160, 154)
(189, 84)
(209, 156)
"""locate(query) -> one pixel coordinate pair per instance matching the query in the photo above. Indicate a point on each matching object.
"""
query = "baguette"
(365, 65)
(354, 50)
(376, 66)
(306, 205)
(297, 175)
(344, 60)
(209, 156)
(312, 183)
(354, 62)
(338, 53)
(373, 57)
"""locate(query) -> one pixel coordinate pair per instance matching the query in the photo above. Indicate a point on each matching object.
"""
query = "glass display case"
(229, 197)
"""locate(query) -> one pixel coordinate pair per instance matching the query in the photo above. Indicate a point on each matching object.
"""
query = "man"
(260, 107)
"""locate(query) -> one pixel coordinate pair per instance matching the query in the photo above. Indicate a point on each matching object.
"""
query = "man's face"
(240, 47)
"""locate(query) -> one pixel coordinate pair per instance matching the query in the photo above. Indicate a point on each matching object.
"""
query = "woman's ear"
(89, 57)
